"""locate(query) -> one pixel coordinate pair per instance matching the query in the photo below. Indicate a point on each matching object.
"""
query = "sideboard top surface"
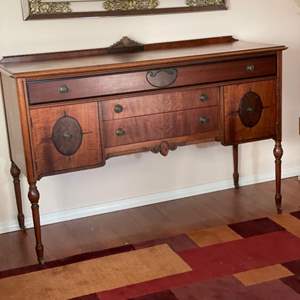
(101, 60)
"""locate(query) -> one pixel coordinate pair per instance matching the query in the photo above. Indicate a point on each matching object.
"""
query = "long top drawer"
(41, 91)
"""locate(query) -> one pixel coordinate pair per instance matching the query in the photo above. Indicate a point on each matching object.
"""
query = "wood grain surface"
(235, 130)
(160, 103)
(160, 126)
(48, 159)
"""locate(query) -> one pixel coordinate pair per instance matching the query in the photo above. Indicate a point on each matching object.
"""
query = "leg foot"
(40, 255)
(278, 152)
(15, 173)
(236, 175)
(34, 197)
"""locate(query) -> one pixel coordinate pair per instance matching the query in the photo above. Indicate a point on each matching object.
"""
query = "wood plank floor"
(146, 223)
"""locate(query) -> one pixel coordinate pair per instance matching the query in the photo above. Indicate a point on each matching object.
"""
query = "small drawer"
(249, 112)
(160, 126)
(42, 91)
(160, 103)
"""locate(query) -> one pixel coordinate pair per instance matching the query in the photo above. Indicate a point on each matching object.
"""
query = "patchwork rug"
(258, 259)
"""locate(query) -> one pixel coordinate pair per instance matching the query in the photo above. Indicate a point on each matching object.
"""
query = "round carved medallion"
(67, 135)
(251, 108)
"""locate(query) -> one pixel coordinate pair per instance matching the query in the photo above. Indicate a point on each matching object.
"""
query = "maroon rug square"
(225, 288)
(293, 266)
(255, 227)
(177, 243)
(87, 297)
(272, 290)
(296, 214)
(165, 295)
(293, 282)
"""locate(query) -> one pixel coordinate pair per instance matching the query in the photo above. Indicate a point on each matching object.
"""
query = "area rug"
(258, 259)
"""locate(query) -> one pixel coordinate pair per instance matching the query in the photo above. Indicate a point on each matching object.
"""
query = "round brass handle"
(250, 68)
(118, 108)
(120, 132)
(204, 97)
(63, 89)
(203, 120)
(250, 109)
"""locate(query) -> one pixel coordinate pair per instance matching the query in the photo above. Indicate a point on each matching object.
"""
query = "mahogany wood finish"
(235, 129)
(14, 127)
(66, 89)
(236, 175)
(72, 111)
(15, 173)
(278, 153)
(47, 156)
(101, 51)
(34, 197)
(161, 102)
(209, 136)
(160, 126)
(163, 148)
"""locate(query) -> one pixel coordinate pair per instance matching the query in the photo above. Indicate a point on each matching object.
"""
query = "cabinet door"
(249, 112)
(66, 137)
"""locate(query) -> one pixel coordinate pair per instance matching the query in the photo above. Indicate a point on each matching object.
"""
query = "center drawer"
(160, 103)
(160, 126)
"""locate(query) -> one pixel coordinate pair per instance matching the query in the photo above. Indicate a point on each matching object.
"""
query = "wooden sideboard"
(73, 110)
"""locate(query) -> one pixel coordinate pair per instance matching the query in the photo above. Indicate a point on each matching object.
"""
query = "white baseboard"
(118, 205)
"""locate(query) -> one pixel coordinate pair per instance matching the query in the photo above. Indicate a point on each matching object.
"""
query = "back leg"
(236, 175)
(15, 173)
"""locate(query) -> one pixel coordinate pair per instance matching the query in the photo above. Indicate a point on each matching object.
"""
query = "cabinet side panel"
(236, 131)
(11, 106)
(66, 138)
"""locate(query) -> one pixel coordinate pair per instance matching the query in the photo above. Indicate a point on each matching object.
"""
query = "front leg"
(278, 152)
(34, 197)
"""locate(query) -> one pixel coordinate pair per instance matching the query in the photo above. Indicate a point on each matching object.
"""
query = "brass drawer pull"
(204, 98)
(120, 132)
(250, 68)
(67, 135)
(63, 89)
(250, 109)
(162, 78)
(203, 120)
(118, 108)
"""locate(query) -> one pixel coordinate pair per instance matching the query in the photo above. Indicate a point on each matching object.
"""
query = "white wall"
(272, 21)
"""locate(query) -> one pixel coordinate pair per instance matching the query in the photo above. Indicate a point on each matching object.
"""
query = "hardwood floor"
(145, 223)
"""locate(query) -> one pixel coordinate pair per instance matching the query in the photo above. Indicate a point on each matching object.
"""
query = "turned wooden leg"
(236, 175)
(34, 197)
(15, 173)
(278, 152)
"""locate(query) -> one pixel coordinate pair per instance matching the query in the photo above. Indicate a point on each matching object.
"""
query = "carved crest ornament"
(44, 7)
(164, 148)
